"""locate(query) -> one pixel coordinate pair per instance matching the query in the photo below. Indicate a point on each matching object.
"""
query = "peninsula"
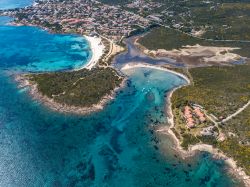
(211, 113)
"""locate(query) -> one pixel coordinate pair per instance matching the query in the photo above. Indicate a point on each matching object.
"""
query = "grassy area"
(240, 153)
(238, 143)
(221, 90)
(225, 19)
(185, 135)
(240, 126)
(166, 38)
(78, 88)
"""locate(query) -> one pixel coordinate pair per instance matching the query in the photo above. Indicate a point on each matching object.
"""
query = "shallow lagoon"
(32, 49)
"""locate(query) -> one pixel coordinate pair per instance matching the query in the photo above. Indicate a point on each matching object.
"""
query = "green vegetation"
(238, 143)
(240, 126)
(227, 19)
(240, 153)
(167, 38)
(185, 135)
(189, 139)
(78, 88)
(221, 90)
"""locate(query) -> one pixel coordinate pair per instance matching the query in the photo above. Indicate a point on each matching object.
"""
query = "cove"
(115, 147)
(32, 49)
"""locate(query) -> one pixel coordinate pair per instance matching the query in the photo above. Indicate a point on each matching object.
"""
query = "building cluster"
(80, 16)
(193, 116)
(144, 5)
(210, 131)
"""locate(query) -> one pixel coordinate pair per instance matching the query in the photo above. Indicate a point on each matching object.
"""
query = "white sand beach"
(141, 65)
(97, 48)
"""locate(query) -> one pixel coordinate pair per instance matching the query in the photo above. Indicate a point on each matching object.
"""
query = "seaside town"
(80, 16)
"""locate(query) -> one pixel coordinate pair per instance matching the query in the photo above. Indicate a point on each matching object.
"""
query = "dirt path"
(236, 113)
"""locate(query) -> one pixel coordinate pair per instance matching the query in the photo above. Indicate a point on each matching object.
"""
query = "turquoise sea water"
(32, 49)
(117, 147)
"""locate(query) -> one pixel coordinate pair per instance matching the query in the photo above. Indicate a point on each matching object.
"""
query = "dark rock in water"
(81, 167)
(89, 174)
(167, 169)
(64, 126)
(129, 83)
(110, 159)
(73, 181)
(71, 147)
(114, 141)
(146, 74)
(156, 147)
(186, 172)
(204, 180)
(189, 165)
(100, 127)
(150, 96)
(57, 184)
(92, 172)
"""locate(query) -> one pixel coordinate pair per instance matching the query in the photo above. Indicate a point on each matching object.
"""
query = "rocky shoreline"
(192, 150)
(24, 82)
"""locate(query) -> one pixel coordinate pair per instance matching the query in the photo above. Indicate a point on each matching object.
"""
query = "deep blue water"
(115, 147)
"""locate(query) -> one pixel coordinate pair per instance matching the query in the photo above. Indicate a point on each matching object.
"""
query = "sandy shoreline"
(217, 154)
(195, 55)
(96, 46)
(142, 65)
(97, 49)
(63, 108)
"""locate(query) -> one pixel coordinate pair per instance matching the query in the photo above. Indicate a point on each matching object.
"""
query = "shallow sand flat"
(199, 54)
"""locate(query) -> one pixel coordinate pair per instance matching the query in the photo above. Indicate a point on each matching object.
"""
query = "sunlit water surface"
(115, 147)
